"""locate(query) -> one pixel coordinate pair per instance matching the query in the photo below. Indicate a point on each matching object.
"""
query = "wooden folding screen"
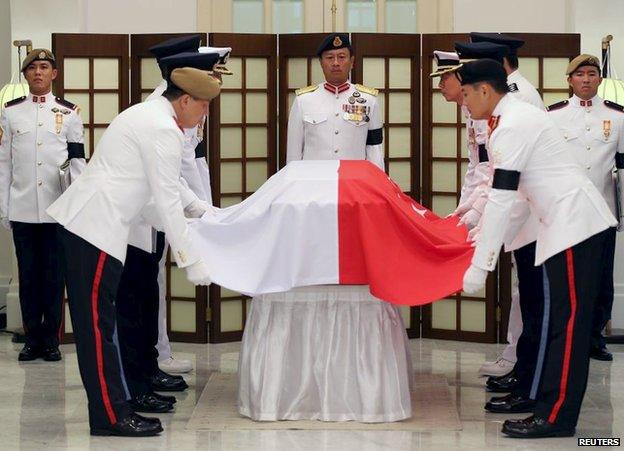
(242, 149)
(93, 73)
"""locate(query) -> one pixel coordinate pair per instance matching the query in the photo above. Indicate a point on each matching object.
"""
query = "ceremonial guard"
(594, 130)
(40, 136)
(531, 159)
(335, 120)
(135, 172)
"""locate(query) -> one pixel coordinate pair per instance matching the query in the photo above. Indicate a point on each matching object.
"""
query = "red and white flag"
(334, 222)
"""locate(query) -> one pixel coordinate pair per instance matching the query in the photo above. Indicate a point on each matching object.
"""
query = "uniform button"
(313, 121)
(587, 128)
(40, 124)
(588, 168)
(588, 147)
(39, 143)
(336, 132)
(337, 114)
(336, 151)
(39, 183)
(565, 135)
(39, 163)
(40, 105)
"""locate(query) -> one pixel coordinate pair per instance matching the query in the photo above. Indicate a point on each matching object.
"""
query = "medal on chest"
(58, 121)
(200, 131)
(606, 129)
(472, 137)
(355, 113)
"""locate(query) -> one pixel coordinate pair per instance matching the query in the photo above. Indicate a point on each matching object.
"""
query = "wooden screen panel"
(186, 305)
(242, 149)
(444, 166)
(93, 73)
(389, 63)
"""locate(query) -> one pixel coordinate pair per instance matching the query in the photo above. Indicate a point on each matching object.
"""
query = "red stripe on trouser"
(567, 352)
(98, 338)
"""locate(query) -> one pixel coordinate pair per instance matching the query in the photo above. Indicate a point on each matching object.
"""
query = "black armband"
(619, 160)
(200, 150)
(374, 137)
(483, 155)
(504, 179)
(75, 150)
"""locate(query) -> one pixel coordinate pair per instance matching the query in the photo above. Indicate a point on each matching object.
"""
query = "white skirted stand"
(331, 353)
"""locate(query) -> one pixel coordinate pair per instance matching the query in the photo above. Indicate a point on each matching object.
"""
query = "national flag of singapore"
(334, 222)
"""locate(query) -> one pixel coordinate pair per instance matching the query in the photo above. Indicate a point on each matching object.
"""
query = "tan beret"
(197, 83)
(582, 60)
(38, 55)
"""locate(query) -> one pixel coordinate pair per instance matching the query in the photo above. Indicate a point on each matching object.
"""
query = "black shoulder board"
(556, 106)
(512, 87)
(14, 101)
(65, 103)
(614, 106)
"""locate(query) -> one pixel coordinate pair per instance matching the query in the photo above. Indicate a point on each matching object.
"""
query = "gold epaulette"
(372, 91)
(305, 90)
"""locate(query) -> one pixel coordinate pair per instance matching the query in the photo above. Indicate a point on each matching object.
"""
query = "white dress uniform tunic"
(329, 122)
(39, 134)
(289, 370)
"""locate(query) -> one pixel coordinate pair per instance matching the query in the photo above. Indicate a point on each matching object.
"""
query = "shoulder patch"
(66, 103)
(614, 106)
(372, 91)
(512, 87)
(14, 101)
(306, 90)
(556, 106)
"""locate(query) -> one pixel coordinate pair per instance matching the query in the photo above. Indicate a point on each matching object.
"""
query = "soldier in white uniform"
(531, 159)
(594, 129)
(335, 120)
(38, 134)
(134, 172)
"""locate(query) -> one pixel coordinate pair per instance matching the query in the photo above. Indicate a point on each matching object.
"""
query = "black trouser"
(604, 302)
(137, 317)
(573, 278)
(92, 281)
(40, 269)
(531, 287)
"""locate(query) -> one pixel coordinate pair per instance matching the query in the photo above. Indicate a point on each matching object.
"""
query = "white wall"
(532, 16)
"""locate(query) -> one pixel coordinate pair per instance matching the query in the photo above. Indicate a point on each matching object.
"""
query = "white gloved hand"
(473, 234)
(470, 219)
(197, 273)
(6, 223)
(196, 209)
(474, 279)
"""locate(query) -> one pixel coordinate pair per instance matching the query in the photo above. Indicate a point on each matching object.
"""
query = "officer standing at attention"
(135, 171)
(335, 120)
(38, 134)
(530, 158)
(594, 129)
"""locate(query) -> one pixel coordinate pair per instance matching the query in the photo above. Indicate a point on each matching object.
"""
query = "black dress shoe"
(164, 382)
(601, 354)
(51, 354)
(132, 426)
(534, 427)
(148, 419)
(161, 373)
(502, 385)
(510, 404)
(29, 353)
(497, 378)
(150, 403)
(165, 398)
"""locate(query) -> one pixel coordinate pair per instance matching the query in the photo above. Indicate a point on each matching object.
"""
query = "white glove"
(470, 219)
(197, 273)
(6, 223)
(474, 279)
(196, 209)
(473, 234)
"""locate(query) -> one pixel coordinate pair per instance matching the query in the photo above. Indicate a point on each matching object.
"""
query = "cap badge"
(337, 41)
(42, 55)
